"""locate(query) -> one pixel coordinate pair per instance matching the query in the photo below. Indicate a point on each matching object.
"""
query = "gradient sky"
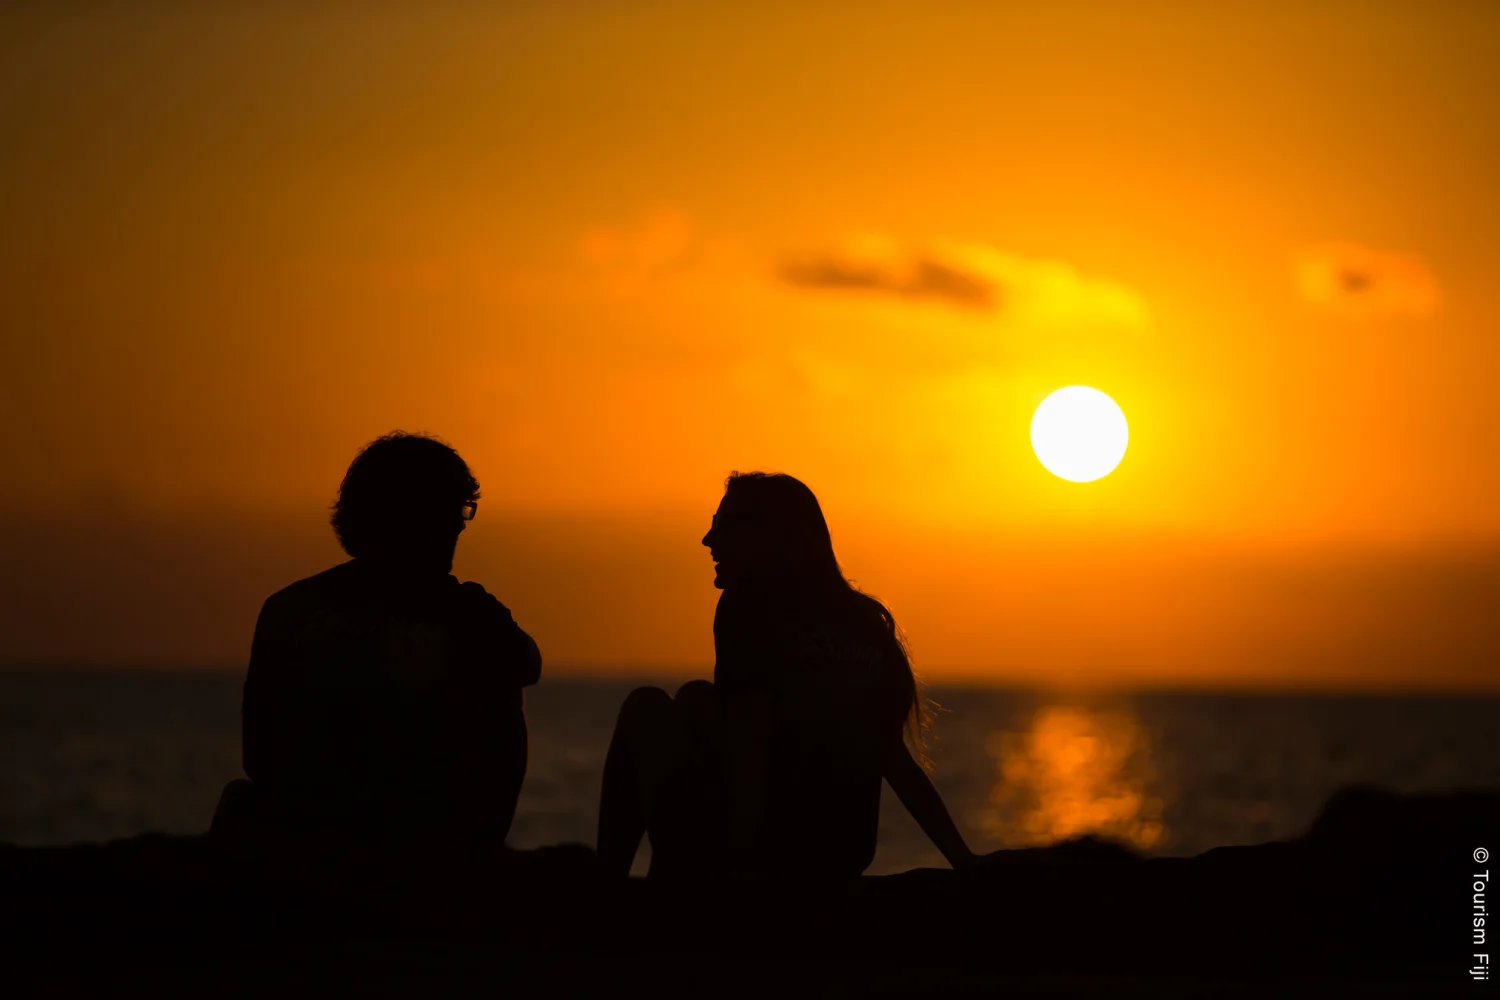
(613, 252)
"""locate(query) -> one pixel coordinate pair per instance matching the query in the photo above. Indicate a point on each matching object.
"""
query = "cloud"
(658, 241)
(873, 264)
(878, 264)
(1357, 281)
(969, 276)
(661, 248)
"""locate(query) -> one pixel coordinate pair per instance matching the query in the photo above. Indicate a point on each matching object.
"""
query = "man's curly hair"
(399, 484)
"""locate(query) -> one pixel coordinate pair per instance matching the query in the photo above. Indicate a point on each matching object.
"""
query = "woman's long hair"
(790, 509)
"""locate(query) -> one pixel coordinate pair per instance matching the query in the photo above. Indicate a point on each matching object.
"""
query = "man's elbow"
(253, 756)
(530, 661)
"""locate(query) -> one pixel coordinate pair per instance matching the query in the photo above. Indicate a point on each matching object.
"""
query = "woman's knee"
(697, 701)
(644, 703)
(697, 705)
(696, 693)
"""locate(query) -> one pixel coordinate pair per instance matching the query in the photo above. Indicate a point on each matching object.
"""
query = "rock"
(1379, 891)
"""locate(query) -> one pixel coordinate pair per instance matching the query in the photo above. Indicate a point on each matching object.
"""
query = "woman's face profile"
(737, 544)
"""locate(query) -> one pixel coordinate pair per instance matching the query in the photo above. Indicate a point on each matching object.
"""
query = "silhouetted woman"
(776, 766)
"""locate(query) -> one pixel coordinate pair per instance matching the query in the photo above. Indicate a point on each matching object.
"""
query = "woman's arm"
(921, 799)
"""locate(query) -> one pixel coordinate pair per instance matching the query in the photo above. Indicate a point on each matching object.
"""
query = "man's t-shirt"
(840, 691)
(388, 706)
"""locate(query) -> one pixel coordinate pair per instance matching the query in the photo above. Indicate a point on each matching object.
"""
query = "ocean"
(95, 754)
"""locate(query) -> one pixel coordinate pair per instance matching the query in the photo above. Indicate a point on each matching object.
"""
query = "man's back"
(388, 705)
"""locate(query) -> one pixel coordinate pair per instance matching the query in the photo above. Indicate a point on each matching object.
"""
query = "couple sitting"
(383, 700)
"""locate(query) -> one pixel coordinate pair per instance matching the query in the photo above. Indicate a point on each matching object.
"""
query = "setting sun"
(1079, 434)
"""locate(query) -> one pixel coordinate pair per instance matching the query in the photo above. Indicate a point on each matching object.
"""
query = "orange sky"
(606, 252)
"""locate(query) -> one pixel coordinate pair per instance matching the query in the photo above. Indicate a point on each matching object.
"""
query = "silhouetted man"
(383, 699)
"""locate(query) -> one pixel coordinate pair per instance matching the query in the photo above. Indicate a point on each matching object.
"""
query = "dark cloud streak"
(922, 276)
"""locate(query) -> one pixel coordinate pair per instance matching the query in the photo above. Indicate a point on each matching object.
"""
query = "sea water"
(94, 754)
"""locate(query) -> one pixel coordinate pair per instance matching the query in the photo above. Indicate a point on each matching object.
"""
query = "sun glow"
(1079, 434)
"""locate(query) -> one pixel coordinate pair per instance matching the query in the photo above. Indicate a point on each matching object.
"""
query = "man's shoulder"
(314, 589)
(473, 600)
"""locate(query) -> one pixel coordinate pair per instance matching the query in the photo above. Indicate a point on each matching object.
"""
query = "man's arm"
(528, 657)
(256, 708)
(519, 653)
(921, 799)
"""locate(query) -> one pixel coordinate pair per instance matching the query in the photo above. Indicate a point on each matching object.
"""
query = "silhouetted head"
(404, 502)
(769, 529)
(769, 534)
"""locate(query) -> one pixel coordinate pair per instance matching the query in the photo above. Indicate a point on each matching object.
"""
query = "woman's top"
(839, 690)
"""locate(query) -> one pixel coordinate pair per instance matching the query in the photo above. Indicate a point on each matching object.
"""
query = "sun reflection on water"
(1076, 771)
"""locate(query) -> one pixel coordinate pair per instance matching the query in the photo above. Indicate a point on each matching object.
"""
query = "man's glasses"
(469, 510)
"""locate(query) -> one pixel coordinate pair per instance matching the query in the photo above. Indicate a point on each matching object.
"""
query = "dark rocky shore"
(1376, 896)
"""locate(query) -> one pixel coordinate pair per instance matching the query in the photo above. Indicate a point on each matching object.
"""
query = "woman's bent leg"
(633, 754)
(655, 780)
(685, 816)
